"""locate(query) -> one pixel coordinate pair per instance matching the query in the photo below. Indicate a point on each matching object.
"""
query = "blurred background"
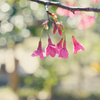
(23, 77)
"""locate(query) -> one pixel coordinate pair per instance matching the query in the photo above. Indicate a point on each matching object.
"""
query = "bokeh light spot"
(34, 5)
(5, 7)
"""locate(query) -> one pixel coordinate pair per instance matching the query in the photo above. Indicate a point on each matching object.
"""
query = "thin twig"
(57, 4)
(47, 10)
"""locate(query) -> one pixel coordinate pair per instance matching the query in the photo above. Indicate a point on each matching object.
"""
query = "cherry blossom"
(59, 46)
(50, 49)
(77, 46)
(39, 51)
(63, 52)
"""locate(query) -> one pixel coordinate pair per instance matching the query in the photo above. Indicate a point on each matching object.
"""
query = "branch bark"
(57, 4)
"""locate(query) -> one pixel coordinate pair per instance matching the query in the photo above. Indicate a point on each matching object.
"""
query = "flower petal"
(81, 47)
(55, 28)
(63, 53)
(33, 55)
(52, 52)
(39, 51)
(59, 30)
(42, 56)
(47, 50)
(77, 46)
(75, 50)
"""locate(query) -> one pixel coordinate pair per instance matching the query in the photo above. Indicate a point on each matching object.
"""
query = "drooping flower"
(59, 26)
(39, 51)
(63, 52)
(59, 46)
(55, 28)
(59, 30)
(77, 46)
(50, 49)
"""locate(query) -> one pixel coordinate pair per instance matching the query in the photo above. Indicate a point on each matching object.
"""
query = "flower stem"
(69, 30)
(64, 35)
(48, 34)
(41, 33)
(56, 19)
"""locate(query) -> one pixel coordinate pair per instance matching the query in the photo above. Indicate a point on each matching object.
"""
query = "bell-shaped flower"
(39, 51)
(59, 46)
(59, 30)
(77, 46)
(55, 28)
(63, 52)
(50, 49)
(59, 26)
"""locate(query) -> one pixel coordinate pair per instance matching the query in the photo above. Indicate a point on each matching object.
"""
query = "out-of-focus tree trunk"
(14, 78)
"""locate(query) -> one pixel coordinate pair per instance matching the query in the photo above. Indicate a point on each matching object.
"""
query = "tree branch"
(57, 4)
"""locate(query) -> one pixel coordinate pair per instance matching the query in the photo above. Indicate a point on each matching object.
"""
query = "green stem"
(56, 19)
(48, 34)
(41, 33)
(69, 30)
(64, 35)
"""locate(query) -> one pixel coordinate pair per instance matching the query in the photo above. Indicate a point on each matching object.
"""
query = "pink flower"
(63, 52)
(95, 1)
(39, 51)
(77, 46)
(50, 50)
(59, 46)
(86, 22)
(58, 25)
(55, 28)
(64, 12)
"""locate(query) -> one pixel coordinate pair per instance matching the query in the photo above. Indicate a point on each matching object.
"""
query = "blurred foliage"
(58, 78)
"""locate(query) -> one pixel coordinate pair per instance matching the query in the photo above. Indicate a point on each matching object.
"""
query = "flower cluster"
(59, 48)
(85, 20)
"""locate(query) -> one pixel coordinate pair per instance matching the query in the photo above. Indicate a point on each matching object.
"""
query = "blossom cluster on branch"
(85, 20)
(69, 8)
(59, 48)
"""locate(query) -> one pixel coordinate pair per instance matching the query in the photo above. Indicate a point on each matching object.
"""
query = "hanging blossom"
(56, 24)
(59, 46)
(77, 46)
(63, 52)
(59, 26)
(50, 49)
(39, 51)
(53, 49)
